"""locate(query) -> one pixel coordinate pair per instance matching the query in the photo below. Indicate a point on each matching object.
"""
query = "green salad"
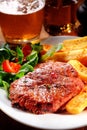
(18, 61)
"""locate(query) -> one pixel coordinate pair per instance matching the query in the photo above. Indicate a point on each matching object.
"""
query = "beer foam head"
(19, 7)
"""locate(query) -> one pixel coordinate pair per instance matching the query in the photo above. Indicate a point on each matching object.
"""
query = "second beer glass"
(60, 16)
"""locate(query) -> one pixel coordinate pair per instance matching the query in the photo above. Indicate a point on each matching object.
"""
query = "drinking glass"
(21, 20)
(60, 16)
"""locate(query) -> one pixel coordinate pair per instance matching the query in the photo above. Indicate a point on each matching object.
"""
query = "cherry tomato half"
(10, 67)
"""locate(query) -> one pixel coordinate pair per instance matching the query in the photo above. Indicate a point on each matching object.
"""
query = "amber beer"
(20, 20)
(60, 16)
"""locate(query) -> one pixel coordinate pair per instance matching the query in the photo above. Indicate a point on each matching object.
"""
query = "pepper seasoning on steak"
(47, 88)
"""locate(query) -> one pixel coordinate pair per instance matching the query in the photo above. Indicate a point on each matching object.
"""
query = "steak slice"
(47, 88)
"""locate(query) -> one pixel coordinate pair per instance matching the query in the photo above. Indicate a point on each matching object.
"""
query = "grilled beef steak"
(47, 88)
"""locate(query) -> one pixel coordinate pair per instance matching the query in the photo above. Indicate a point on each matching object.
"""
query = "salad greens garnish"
(6, 53)
(19, 55)
(33, 58)
(51, 51)
(15, 58)
(16, 55)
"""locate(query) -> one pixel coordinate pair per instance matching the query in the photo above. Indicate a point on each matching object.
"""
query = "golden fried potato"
(75, 44)
(81, 69)
(65, 56)
(78, 103)
(75, 49)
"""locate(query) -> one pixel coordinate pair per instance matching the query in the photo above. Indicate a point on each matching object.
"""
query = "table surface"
(8, 123)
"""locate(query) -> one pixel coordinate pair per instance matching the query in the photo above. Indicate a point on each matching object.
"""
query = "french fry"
(65, 56)
(77, 104)
(81, 69)
(75, 44)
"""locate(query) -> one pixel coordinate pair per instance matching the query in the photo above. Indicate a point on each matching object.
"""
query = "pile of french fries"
(73, 49)
(74, 52)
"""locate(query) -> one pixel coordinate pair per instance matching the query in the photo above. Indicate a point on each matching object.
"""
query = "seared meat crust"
(47, 88)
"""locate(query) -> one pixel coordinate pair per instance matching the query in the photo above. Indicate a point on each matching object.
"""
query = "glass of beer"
(21, 20)
(60, 17)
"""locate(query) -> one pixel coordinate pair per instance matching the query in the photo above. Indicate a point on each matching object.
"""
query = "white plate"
(45, 121)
